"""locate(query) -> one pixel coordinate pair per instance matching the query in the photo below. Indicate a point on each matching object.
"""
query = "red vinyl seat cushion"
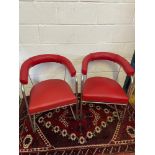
(50, 94)
(101, 89)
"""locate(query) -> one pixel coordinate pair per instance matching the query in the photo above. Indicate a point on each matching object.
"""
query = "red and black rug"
(57, 133)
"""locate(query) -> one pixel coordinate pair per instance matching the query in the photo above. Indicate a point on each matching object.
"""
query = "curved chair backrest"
(107, 56)
(24, 71)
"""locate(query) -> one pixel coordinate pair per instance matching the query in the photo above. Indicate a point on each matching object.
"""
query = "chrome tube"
(117, 112)
(76, 92)
(81, 109)
(83, 78)
(34, 122)
(27, 106)
(65, 75)
(132, 79)
(118, 73)
(108, 103)
(82, 82)
(125, 111)
(31, 80)
(76, 86)
(73, 112)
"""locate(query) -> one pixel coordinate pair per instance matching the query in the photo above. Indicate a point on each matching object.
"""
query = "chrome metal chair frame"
(83, 78)
(33, 122)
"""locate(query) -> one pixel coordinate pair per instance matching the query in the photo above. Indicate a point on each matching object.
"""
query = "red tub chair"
(101, 89)
(49, 94)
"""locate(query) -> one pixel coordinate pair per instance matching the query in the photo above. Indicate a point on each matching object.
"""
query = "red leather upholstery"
(101, 89)
(42, 59)
(50, 94)
(107, 56)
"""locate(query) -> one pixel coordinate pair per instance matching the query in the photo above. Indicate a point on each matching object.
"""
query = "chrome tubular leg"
(126, 106)
(34, 122)
(31, 121)
(77, 108)
(83, 77)
(117, 112)
(73, 112)
(81, 109)
(76, 91)
(26, 102)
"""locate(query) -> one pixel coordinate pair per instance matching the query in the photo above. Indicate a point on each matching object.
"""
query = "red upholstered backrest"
(24, 71)
(107, 56)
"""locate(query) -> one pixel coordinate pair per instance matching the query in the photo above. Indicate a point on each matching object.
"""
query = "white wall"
(74, 28)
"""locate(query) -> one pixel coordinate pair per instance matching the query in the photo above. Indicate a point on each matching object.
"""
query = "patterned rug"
(98, 132)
